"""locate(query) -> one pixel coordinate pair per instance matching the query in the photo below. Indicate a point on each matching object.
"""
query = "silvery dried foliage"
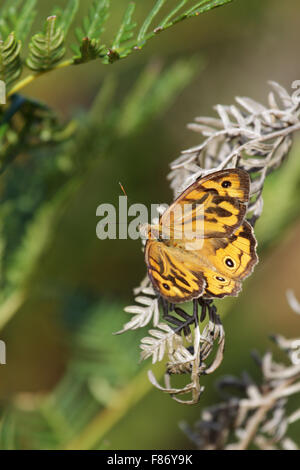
(246, 135)
(256, 415)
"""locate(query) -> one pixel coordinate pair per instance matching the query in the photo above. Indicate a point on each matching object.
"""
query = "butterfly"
(217, 248)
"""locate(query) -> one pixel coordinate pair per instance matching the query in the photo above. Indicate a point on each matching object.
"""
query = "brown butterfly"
(211, 262)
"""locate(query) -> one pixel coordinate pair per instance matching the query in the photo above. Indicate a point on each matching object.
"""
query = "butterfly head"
(149, 232)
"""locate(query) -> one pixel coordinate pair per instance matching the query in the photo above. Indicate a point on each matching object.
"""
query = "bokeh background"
(60, 348)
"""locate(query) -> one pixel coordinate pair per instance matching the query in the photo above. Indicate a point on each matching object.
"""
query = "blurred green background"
(68, 382)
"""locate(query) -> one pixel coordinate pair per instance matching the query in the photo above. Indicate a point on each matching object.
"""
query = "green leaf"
(154, 92)
(46, 49)
(10, 62)
(205, 5)
(17, 16)
(66, 16)
(90, 49)
(170, 15)
(176, 14)
(148, 21)
(8, 431)
(126, 29)
(8, 17)
(25, 19)
(8, 6)
(93, 24)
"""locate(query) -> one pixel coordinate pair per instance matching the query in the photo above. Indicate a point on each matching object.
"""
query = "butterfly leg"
(195, 312)
(165, 306)
(182, 323)
(205, 305)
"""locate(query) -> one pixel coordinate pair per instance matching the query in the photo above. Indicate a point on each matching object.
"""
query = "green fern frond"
(10, 61)
(46, 49)
(176, 14)
(90, 49)
(8, 17)
(199, 7)
(25, 19)
(145, 26)
(8, 431)
(125, 40)
(169, 18)
(35, 241)
(153, 25)
(154, 92)
(95, 372)
(126, 30)
(203, 6)
(17, 16)
(66, 16)
(93, 24)
(7, 5)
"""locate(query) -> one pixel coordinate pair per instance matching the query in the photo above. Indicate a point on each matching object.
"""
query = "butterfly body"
(203, 246)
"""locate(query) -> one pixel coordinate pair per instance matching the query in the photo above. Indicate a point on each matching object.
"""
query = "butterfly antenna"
(122, 188)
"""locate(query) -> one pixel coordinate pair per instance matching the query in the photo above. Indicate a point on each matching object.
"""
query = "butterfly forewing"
(213, 206)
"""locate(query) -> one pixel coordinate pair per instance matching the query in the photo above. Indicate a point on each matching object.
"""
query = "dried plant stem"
(260, 417)
(255, 421)
(253, 425)
(281, 133)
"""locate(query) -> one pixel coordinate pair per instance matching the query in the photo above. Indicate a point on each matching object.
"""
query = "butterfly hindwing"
(174, 274)
(231, 259)
(219, 285)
